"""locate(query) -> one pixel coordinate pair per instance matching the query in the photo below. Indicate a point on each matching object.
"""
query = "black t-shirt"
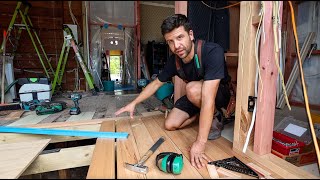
(213, 64)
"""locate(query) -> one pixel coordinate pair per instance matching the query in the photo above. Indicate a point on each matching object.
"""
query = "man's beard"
(187, 52)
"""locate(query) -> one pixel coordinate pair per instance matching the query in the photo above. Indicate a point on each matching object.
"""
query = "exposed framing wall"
(47, 18)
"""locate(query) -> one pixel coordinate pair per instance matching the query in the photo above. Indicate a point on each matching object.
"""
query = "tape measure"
(170, 162)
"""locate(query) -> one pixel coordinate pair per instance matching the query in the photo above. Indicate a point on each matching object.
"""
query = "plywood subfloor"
(16, 157)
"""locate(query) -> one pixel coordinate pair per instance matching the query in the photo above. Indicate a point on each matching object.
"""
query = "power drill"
(76, 109)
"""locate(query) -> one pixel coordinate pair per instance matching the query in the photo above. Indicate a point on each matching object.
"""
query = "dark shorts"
(222, 100)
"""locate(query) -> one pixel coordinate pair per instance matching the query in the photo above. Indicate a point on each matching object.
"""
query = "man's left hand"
(197, 154)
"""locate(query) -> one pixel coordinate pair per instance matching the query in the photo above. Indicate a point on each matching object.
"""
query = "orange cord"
(304, 86)
(221, 7)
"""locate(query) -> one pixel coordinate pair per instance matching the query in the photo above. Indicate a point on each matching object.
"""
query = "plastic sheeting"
(311, 72)
(308, 21)
(107, 24)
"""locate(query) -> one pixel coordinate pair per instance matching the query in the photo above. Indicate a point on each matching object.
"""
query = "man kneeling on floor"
(205, 92)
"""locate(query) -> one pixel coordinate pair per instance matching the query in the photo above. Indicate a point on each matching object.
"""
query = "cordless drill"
(76, 109)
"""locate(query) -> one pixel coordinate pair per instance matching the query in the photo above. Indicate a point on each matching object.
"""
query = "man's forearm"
(205, 121)
(208, 95)
(148, 91)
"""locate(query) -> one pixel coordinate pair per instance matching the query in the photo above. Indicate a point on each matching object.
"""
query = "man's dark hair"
(175, 21)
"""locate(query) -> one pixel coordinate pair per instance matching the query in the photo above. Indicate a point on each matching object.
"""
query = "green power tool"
(50, 107)
(76, 109)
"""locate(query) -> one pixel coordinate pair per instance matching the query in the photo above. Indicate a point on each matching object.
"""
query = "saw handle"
(151, 150)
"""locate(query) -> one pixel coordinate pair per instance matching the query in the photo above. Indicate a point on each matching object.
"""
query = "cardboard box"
(298, 159)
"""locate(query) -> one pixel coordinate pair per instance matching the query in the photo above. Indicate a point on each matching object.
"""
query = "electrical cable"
(74, 20)
(275, 20)
(258, 74)
(314, 138)
(225, 7)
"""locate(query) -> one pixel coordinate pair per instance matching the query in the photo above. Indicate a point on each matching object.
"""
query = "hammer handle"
(151, 150)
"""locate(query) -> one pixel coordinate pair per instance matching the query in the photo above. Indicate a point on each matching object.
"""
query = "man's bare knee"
(193, 91)
(169, 126)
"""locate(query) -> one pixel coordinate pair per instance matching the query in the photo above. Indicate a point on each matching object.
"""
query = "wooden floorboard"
(127, 152)
(144, 142)
(144, 130)
(30, 119)
(188, 172)
(103, 159)
(82, 116)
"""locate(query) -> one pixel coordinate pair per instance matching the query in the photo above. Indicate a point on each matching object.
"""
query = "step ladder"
(27, 24)
(68, 42)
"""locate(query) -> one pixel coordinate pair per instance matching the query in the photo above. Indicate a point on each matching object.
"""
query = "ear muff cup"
(170, 162)
(177, 164)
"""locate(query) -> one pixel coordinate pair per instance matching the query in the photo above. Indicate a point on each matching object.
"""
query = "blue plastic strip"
(63, 132)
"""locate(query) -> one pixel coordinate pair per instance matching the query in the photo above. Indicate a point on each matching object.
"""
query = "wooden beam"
(246, 71)
(103, 160)
(66, 158)
(266, 101)
(137, 38)
(255, 20)
(181, 7)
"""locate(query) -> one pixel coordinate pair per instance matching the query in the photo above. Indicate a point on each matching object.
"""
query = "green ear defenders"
(170, 162)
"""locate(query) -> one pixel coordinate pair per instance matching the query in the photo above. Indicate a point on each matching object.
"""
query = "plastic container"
(295, 129)
(108, 85)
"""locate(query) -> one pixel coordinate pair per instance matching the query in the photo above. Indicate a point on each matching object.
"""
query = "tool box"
(34, 89)
(285, 144)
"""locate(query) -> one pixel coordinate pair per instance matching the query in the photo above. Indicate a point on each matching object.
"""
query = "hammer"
(139, 167)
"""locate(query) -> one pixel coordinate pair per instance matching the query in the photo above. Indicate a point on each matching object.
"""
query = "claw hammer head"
(140, 168)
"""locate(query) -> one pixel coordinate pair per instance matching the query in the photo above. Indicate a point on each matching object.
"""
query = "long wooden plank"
(246, 71)
(87, 122)
(81, 117)
(15, 137)
(16, 157)
(127, 152)
(188, 171)
(103, 160)
(30, 119)
(66, 158)
(144, 142)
